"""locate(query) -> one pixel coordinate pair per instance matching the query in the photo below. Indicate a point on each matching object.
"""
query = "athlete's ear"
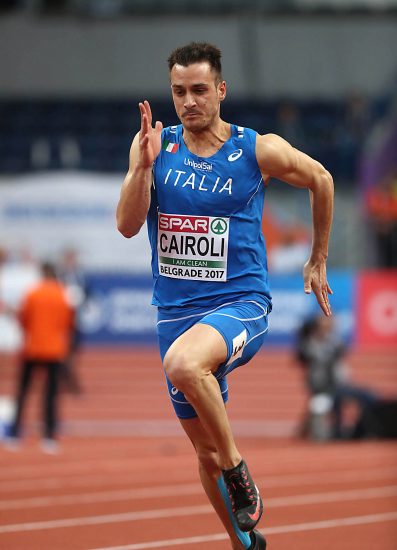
(222, 90)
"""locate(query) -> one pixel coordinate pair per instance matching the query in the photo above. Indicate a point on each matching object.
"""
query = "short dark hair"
(196, 52)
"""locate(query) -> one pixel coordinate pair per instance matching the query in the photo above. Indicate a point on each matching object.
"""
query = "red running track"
(114, 487)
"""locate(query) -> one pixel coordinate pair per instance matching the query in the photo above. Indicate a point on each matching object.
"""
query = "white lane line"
(169, 542)
(109, 518)
(178, 490)
(287, 480)
(331, 478)
(336, 496)
(295, 500)
(105, 496)
(301, 458)
(293, 528)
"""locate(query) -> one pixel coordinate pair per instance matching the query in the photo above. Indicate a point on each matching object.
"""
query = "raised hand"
(315, 279)
(149, 137)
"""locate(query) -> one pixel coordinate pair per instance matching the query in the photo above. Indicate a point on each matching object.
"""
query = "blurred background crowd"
(320, 73)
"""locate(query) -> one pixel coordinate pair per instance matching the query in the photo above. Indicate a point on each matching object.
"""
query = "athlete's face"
(197, 95)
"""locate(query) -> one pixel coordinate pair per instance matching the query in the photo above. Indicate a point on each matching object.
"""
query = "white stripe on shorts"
(246, 318)
(203, 313)
(256, 335)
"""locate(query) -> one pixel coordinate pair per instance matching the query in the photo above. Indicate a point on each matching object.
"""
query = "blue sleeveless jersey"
(205, 223)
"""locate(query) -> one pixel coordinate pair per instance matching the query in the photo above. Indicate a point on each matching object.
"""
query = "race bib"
(193, 247)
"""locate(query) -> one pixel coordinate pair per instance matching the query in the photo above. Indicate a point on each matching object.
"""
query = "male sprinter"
(201, 187)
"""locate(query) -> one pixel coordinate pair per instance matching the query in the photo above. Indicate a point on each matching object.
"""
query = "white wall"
(45, 213)
(266, 57)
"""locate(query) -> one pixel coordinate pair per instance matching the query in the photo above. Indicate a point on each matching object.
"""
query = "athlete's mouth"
(189, 114)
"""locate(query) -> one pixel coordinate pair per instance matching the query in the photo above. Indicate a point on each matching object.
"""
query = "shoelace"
(240, 491)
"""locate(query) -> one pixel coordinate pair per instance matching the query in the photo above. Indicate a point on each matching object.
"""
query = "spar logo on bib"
(185, 224)
(193, 247)
(219, 226)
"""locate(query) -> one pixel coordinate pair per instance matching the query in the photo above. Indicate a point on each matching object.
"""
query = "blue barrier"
(118, 309)
(291, 306)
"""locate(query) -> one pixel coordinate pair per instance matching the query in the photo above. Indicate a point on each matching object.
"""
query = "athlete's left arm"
(278, 159)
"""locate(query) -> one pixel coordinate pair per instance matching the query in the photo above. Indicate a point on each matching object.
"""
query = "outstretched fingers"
(323, 300)
(148, 111)
(144, 121)
(329, 289)
(149, 137)
(158, 127)
(315, 279)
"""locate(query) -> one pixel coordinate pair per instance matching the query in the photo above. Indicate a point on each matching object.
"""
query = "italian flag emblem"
(170, 147)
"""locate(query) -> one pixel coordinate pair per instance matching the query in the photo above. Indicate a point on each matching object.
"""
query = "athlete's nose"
(189, 101)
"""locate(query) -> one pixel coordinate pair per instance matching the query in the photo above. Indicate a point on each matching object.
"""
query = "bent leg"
(197, 359)
(211, 479)
(190, 363)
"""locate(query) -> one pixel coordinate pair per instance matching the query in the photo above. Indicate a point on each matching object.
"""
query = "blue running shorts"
(243, 325)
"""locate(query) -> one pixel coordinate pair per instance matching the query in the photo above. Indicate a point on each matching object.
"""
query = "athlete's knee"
(183, 370)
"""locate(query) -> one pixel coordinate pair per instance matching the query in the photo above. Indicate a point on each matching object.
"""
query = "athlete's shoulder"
(271, 145)
(243, 132)
(275, 155)
(243, 142)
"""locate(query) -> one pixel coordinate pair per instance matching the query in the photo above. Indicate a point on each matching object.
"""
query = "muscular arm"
(134, 201)
(278, 159)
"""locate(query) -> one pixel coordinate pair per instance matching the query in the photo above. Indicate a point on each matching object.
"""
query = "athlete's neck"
(206, 142)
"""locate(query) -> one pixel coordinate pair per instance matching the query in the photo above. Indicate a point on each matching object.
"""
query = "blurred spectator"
(46, 319)
(70, 153)
(321, 353)
(72, 276)
(382, 210)
(18, 273)
(357, 117)
(352, 133)
(40, 154)
(289, 125)
(46, 153)
(289, 254)
(6, 331)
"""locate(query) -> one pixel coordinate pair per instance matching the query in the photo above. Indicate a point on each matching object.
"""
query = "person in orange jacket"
(47, 321)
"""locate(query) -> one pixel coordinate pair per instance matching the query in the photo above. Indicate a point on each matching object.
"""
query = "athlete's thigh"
(202, 344)
(243, 325)
(169, 329)
(219, 339)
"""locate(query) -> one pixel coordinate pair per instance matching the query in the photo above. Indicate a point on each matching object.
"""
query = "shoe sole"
(260, 541)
